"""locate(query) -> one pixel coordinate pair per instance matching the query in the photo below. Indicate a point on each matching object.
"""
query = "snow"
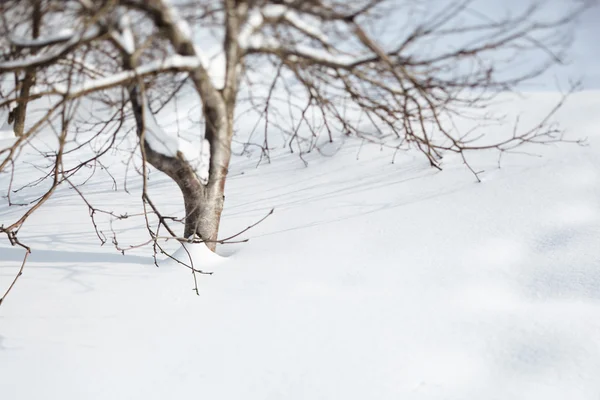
(128, 41)
(197, 255)
(271, 45)
(197, 156)
(168, 143)
(255, 20)
(6, 129)
(178, 21)
(311, 28)
(6, 133)
(325, 56)
(250, 38)
(156, 137)
(125, 38)
(177, 62)
(62, 35)
(273, 11)
(65, 35)
(371, 280)
(216, 68)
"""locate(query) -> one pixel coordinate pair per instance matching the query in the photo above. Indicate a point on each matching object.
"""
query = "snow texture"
(371, 280)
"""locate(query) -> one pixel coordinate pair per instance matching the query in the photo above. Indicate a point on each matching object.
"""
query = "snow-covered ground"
(371, 280)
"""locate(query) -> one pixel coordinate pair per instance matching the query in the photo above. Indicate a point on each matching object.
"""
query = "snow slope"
(371, 280)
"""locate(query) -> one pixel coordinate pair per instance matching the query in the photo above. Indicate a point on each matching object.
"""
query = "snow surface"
(371, 280)
(6, 129)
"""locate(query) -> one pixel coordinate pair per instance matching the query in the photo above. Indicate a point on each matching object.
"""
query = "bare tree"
(398, 73)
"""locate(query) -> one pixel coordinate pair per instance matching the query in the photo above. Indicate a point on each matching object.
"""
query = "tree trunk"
(203, 214)
(20, 112)
(218, 133)
(203, 203)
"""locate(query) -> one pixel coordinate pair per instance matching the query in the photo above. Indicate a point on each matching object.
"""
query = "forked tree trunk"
(203, 203)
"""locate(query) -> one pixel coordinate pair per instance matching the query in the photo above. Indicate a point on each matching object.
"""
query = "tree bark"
(20, 112)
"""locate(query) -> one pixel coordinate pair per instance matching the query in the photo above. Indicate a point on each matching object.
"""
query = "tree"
(397, 73)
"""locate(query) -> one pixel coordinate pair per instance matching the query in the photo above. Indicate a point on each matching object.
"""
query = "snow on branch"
(70, 39)
(307, 53)
(155, 136)
(174, 63)
(64, 35)
(310, 29)
(124, 38)
(169, 144)
(173, 15)
(277, 13)
(178, 32)
(253, 23)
